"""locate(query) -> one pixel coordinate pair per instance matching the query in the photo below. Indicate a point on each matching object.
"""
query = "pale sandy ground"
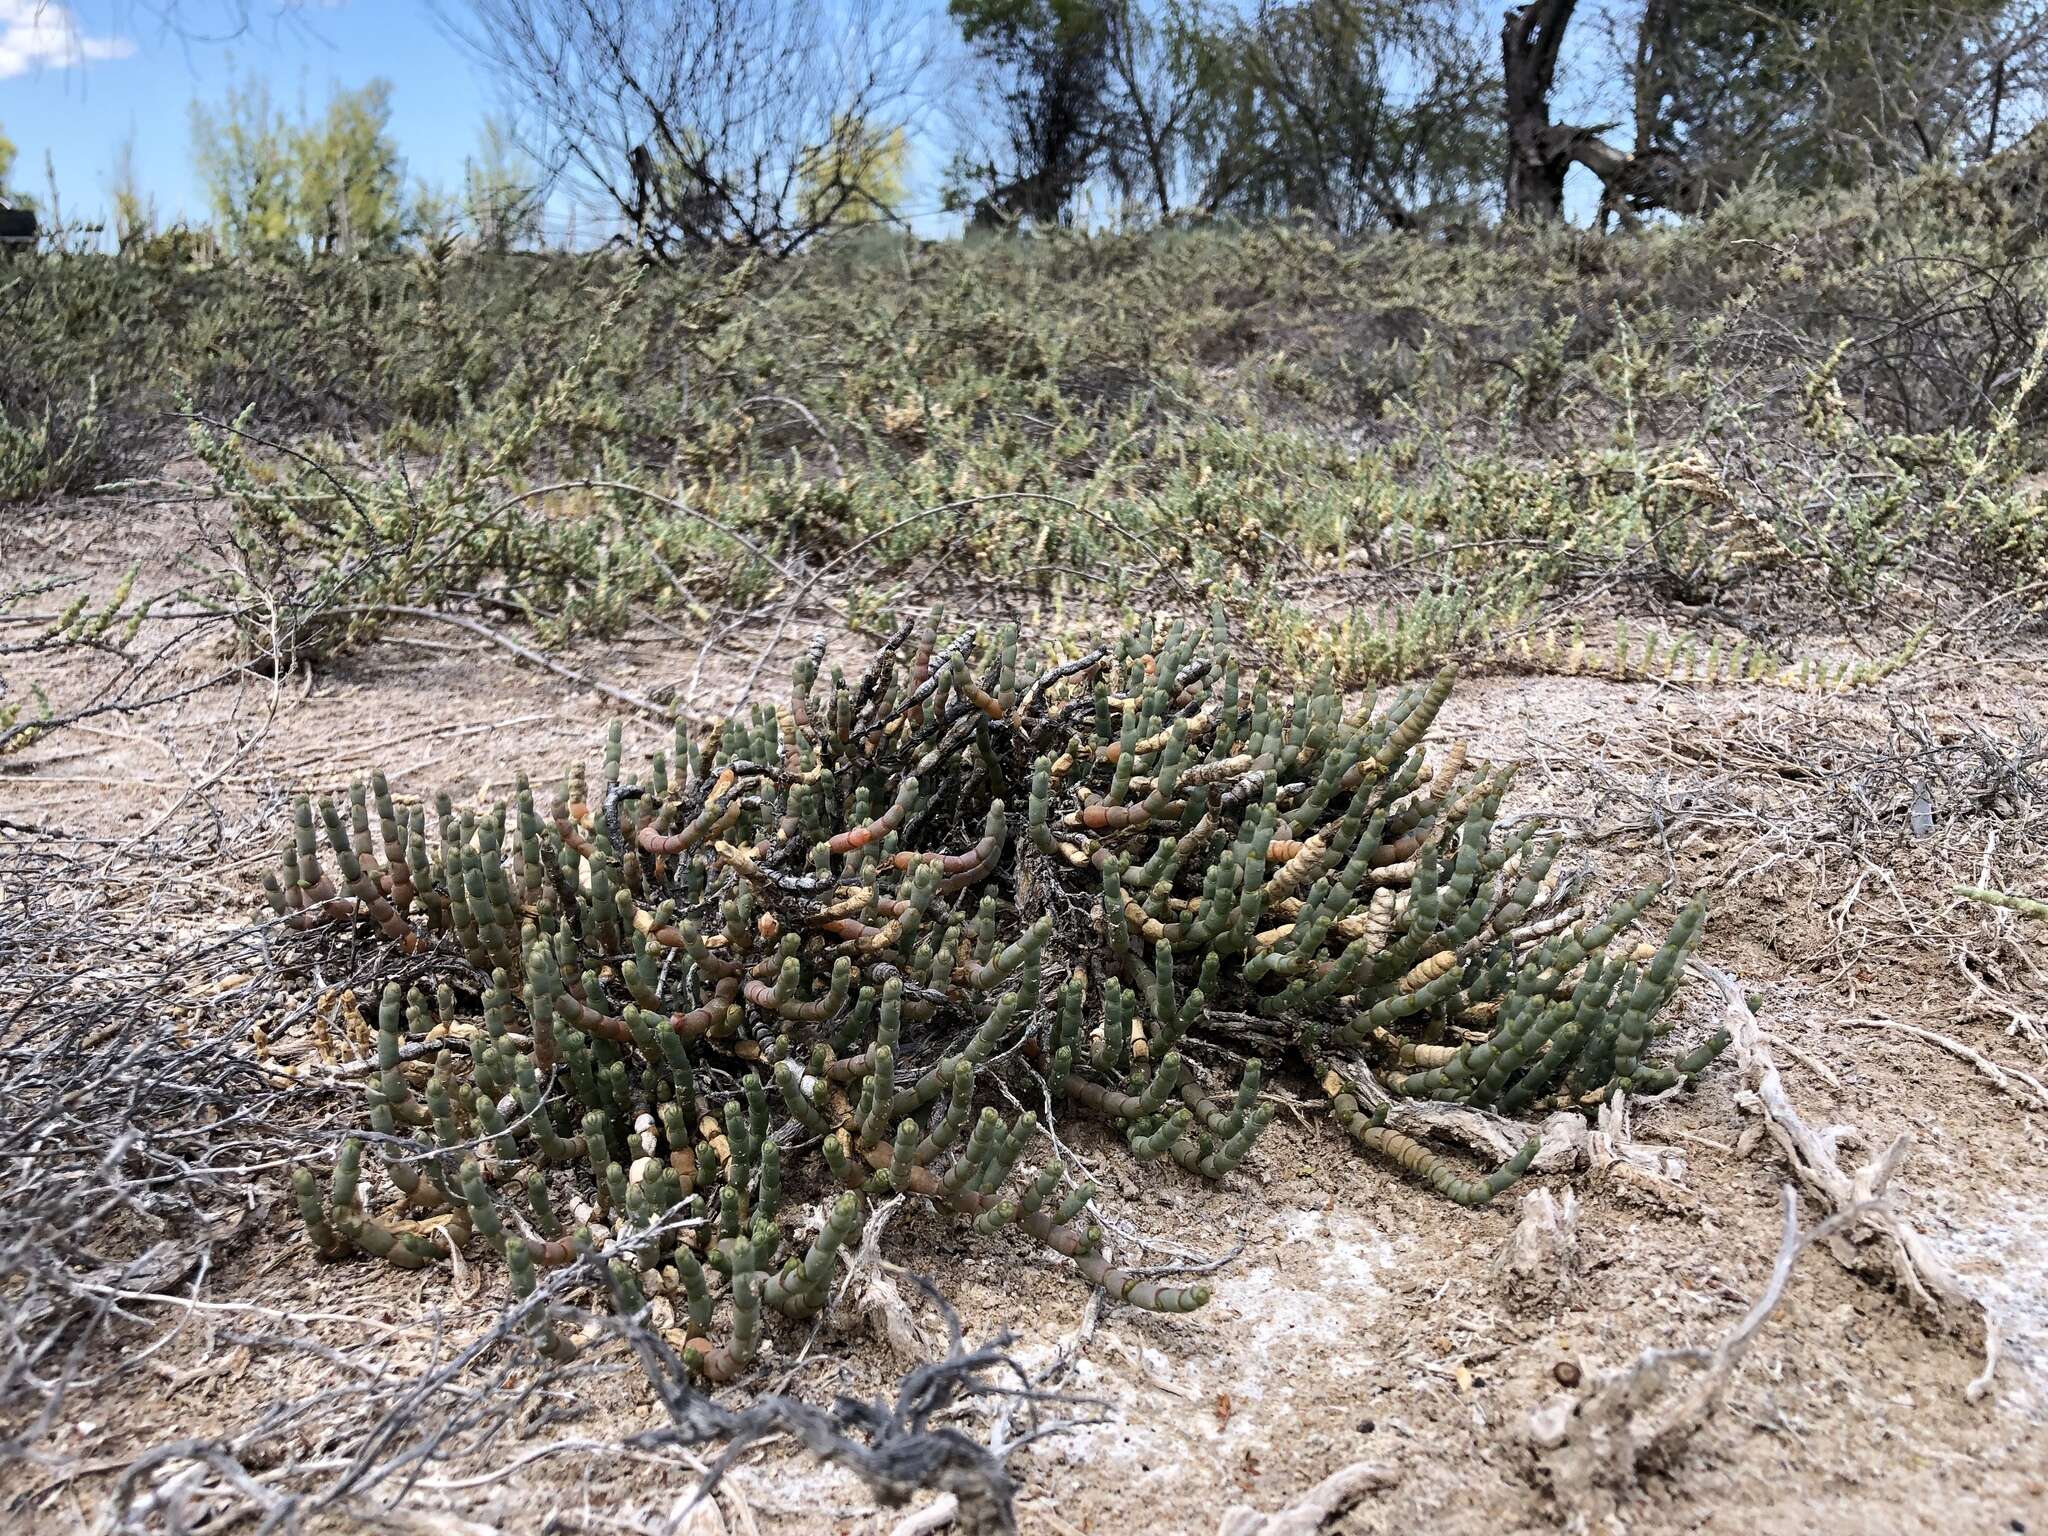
(1361, 1319)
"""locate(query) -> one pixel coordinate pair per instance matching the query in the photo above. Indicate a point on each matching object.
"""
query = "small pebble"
(1567, 1373)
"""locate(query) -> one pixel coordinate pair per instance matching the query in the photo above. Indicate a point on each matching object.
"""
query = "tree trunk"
(1650, 178)
(1529, 40)
(1540, 151)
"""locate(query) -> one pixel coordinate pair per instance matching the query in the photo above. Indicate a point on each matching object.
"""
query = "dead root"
(1879, 1241)
(1588, 1448)
(1498, 1137)
(876, 1299)
(895, 1448)
(1314, 1509)
(1538, 1266)
(1654, 1175)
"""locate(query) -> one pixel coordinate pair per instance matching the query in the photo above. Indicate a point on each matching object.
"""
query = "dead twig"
(891, 1448)
(2024, 1086)
(1590, 1447)
(1880, 1240)
(1315, 1508)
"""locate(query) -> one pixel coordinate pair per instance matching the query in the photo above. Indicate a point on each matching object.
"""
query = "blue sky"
(77, 80)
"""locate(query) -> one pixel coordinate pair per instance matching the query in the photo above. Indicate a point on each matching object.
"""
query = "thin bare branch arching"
(705, 123)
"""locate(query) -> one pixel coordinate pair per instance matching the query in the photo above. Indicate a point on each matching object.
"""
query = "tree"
(1540, 151)
(1152, 99)
(134, 210)
(1537, 158)
(1047, 64)
(1818, 94)
(333, 184)
(502, 191)
(7, 157)
(244, 160)
(433, 216)
(348, 179)
(859, 158)
(1360, 112)
(1081, 88)
(1828, 94)
(696, 121)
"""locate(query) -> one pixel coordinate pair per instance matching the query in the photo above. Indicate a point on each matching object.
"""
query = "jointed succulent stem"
(832, 926)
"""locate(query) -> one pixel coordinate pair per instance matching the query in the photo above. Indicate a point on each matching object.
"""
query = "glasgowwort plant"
(798, 955)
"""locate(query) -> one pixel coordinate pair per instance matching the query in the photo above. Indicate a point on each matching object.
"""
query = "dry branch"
(2022, 1085)
(1539, 1263)
(1589, 1448)
(1314, 1509)
(1879, 1241)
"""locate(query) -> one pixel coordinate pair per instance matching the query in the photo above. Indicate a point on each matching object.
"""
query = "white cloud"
(43, 34)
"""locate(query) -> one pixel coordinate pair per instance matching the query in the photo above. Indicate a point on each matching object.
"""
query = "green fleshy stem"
(1411, 1156)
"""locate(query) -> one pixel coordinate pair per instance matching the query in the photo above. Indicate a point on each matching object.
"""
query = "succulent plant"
(833, 945)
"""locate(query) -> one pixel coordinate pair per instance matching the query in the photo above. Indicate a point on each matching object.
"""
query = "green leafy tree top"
(501, 191)
(13, 197)
(857, 178)
(242, 153)
(333, 183)
(348, 175)
(134, 210)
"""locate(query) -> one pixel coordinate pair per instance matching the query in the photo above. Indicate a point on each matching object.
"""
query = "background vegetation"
(1330, 354)
(1792, 411)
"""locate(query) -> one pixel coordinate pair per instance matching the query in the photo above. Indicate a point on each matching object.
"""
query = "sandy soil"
(1361, 1318)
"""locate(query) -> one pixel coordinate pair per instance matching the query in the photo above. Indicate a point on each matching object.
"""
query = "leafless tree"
(704, 123)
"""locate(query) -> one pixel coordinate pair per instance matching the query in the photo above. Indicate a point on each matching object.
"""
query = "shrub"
(54, 452)
(834, 948)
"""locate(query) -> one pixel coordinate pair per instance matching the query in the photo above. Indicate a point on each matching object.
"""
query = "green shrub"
(857, 944)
